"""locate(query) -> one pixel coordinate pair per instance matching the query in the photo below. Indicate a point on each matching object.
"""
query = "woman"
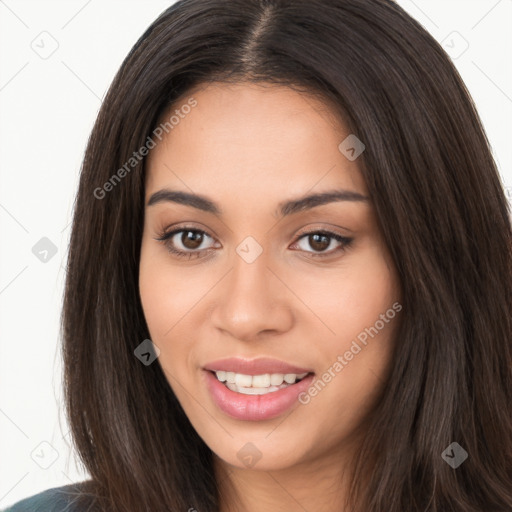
(289, 276)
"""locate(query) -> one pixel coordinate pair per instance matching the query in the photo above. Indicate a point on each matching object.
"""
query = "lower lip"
(255, 407)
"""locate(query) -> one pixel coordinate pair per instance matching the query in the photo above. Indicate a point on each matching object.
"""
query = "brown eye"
(319, 242)
(191, 239)
(187, 242)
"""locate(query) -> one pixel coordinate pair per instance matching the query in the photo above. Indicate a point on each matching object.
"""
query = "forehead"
(262, 141)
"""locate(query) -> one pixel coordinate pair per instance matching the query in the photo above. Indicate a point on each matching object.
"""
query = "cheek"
(356, 304)
(158, 293)
(160, 304)
(155, 298)
(352, 298)
(165, 293)
(171, 300)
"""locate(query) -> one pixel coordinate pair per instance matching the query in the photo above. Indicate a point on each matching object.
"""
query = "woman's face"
(263, 274)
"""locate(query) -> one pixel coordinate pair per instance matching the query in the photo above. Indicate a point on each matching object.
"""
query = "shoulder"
(57, 499)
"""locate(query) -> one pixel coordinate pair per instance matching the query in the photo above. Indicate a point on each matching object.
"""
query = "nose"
(251, 302)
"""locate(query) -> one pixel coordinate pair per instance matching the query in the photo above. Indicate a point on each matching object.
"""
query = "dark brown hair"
(441, 209)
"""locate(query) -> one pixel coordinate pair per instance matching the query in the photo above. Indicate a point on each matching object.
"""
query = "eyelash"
(165, 238)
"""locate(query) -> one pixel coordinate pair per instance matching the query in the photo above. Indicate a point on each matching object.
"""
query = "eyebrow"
(285, 208)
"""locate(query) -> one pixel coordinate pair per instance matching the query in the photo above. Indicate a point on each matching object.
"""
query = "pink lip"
(254, 366)
(255, 407)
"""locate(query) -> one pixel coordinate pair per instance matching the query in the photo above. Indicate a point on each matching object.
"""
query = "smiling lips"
(268, 381)
(255, 366)
(257, 376)
(255, 389)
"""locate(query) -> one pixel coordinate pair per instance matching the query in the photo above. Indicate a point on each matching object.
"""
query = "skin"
(249, 147)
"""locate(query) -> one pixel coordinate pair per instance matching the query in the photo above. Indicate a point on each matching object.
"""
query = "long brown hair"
(441, 209)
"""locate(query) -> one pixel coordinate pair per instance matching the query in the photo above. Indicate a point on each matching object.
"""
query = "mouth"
(257, 384)
(257, 389)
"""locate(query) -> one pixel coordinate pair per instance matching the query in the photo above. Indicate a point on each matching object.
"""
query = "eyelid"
(330, 233)
(166, 235)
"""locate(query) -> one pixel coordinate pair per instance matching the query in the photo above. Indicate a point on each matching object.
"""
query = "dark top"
(57, 499)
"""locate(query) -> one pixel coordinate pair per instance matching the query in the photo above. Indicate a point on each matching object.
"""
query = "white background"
(48, 106)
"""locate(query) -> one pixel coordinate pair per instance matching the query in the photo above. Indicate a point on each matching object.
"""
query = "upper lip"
(259, 366)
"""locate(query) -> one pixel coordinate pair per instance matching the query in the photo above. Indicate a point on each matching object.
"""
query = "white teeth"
(255, 391)
(258, 382)
(276, 379)
(243, 380)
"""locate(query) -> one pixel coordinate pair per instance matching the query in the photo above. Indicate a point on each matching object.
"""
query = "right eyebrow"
(186, 198)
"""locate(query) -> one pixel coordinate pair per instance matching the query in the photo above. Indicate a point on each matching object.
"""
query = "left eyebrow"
(285, 208)
(313, 200)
